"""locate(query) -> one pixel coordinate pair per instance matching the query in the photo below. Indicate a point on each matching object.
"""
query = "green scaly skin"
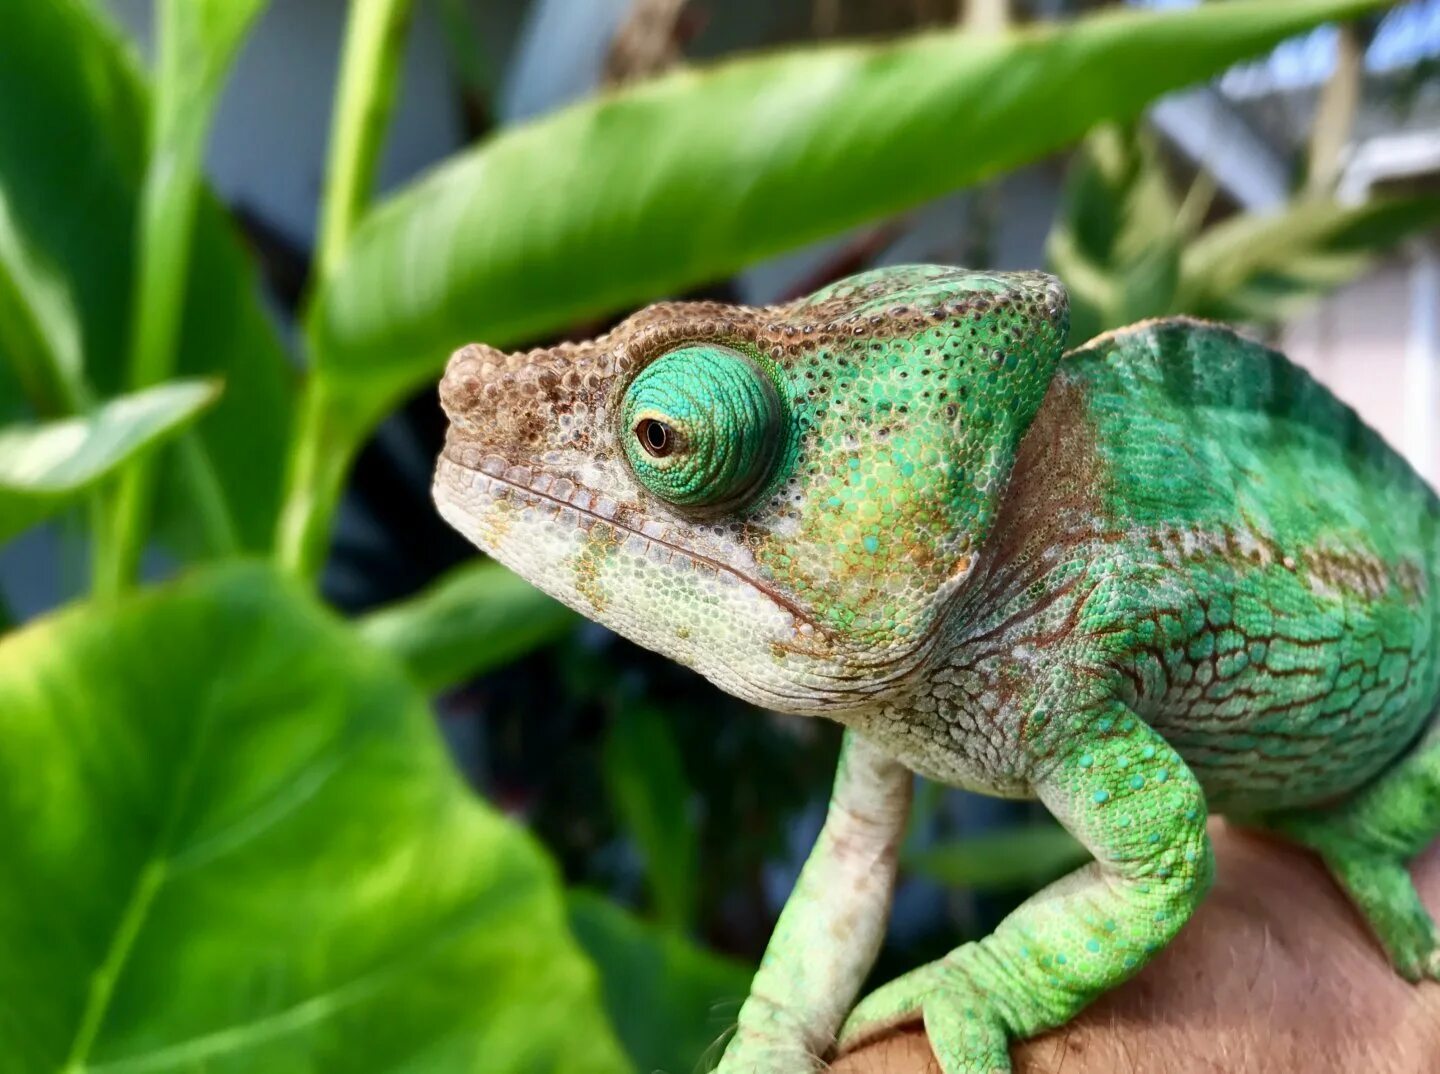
(1163, 575)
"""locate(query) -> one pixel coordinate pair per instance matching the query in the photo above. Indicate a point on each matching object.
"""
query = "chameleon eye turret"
(702, 428)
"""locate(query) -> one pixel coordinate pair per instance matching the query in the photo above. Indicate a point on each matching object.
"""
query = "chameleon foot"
(1367, 841)
(966, 1033)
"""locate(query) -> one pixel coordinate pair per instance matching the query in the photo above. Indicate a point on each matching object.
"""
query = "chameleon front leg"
(1124, 793)
(831, 927)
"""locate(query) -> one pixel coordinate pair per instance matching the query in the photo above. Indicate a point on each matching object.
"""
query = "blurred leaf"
(689, 177)
(1116, 241)
(39, 329)
(1263, 268)
(669, 1000)
(70, 174)
(235, 843)
(478, 617)
(646, 780)
(1006, 860)
(43, 466)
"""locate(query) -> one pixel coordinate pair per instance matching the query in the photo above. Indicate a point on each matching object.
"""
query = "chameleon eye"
(655, 437)
(704, 427)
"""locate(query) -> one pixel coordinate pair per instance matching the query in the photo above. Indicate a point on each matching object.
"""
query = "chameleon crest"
(784, 498)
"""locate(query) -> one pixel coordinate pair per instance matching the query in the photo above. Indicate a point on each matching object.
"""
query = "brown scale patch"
(600, 544)
(1049, 505)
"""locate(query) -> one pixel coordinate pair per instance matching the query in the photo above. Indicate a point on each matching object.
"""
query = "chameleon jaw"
(749, 641)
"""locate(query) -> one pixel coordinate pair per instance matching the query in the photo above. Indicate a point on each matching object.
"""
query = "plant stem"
(327, 434)
(319, 460)
(197, 43)
(166, 219)
(364, 97)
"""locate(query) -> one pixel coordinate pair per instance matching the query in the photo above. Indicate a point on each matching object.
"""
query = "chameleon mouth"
(558, 495)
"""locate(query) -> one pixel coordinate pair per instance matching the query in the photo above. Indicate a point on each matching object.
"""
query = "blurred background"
(1296, 192)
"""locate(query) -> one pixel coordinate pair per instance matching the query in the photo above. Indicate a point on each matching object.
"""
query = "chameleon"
(1161, 575)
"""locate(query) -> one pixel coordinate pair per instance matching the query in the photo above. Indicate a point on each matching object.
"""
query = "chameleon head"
(784, 498)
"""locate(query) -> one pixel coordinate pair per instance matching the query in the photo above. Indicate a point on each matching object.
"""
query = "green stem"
(364, 97)
(328, 434)
(197, 43)
(326, 440)
(167, 219)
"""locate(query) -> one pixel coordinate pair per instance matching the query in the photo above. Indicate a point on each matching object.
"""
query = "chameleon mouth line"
(695, 558)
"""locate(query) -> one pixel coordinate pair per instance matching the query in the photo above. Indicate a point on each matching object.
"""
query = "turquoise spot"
(833, 501)
(1161, 915)
(1060, 960)
(1086, 760)
(1162, 775)
(1154, 838)
(872, 544)
(1092, 945)
(1110, 926)
(1105, 723)
(1148, 752)
(1101, 797)
(1122, 761)
(1137, 782)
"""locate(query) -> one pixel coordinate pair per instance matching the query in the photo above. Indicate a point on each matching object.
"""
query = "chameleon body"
(1162, 575)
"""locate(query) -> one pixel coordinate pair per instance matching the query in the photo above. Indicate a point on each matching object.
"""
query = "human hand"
(1275, 973)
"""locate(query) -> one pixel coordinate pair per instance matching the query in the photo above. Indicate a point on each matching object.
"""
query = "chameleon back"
(1281, 557)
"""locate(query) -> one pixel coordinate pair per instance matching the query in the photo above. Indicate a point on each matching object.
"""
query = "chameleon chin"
(1160, 576)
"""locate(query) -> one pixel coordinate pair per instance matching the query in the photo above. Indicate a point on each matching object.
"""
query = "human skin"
(1275, 972)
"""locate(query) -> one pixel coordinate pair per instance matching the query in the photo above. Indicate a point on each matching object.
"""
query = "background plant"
(237, 838)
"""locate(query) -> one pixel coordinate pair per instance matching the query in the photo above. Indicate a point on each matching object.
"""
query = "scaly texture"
(1166, 574)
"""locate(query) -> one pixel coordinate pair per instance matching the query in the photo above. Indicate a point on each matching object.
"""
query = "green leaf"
(692, 176)
(43, 467)
(646, 780)
(1116, 241)
(235, 843)
(478, 617)
(670, 1002)
(1009, 860)
(73, 119)
(1264, 268)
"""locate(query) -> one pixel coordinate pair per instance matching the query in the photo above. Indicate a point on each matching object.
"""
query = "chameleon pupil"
(655, 435)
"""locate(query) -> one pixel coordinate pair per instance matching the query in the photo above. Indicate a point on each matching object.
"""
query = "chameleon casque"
(1162, 575)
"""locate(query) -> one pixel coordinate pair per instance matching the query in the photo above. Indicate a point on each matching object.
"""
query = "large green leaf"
(1263, 268)
(670, 1001)
(43, 466)
(234, 843)
(73, 118)
(694, 175)
(477, 617)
